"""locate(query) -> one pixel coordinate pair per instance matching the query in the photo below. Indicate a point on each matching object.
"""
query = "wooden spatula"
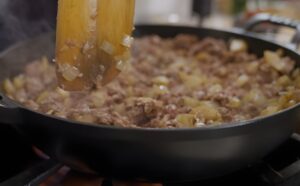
(93, 41)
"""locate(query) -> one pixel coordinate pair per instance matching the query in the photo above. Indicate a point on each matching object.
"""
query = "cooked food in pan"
(181, 82)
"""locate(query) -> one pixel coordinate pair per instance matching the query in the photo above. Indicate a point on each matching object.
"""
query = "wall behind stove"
(21, 19)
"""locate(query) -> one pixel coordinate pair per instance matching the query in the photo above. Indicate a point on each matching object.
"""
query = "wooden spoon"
(93, 41)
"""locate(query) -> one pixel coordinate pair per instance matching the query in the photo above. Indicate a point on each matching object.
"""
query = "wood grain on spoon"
(93, 41)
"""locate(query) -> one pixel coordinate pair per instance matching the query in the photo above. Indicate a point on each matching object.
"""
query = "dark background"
(20, 19)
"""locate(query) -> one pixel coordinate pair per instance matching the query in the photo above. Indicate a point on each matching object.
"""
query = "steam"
(21, 19)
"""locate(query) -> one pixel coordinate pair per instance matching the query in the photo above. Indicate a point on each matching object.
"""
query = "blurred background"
(21, 19)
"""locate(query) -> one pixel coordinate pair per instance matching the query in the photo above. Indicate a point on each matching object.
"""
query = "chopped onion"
(234, 102)
(161, 80)
(121, 65)
(158, 90)
(101, 69)
(284, 80)
(62, 92)
(200, 124)
(127, 41)
(19, 81)
(270, 110)
(98, 98)
(208, 111)
(255, 96)
(192, 81)
(42, 97)
(242, 80)
(9, 87)
(69, 73)
(86, 47)
(107, 47)
(238, 45)
(185, 120)
(215, 89)
(50, 112)
(191, 102)
(274, 60)
(86, 118)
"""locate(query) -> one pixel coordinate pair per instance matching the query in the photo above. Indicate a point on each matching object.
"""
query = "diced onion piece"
(215, 89)
(157, 90)
(192, 81)
(50, 112)
(285, 98)
(207, 111)
(185, 120)
(242, 80)
(19, 81)
(255, 96)
(234, 102)
(9, 87)
(108, 47)
(274, 60)
(200, 124)
(42, 97)
(292, 103)
(284, 80)
(68, 72)
(161, 80)
(62, 92)
(45, 63)
(86, 118)
(127, 41)
(121, 65)
(87, 47)
(238, 45)
(98, 98)
(191, 102)
(270, 110)
(202, 56)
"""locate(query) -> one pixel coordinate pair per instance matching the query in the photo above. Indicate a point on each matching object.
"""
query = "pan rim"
(251, 122)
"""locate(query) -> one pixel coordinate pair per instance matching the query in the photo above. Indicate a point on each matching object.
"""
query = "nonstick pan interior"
(151, 154)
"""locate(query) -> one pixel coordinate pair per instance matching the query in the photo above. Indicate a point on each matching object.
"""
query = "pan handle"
(9, 112)
(276, 20)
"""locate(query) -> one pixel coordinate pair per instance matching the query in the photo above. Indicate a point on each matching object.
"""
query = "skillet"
(167, 155)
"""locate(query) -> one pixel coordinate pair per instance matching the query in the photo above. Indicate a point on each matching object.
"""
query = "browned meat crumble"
(180, 82)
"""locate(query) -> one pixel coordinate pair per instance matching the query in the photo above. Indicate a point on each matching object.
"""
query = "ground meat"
(142, 109)
(179, 82)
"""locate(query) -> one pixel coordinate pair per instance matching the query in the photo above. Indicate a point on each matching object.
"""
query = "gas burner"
(280, 168)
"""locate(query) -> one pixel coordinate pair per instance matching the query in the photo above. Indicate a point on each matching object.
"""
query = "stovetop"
(21, 165)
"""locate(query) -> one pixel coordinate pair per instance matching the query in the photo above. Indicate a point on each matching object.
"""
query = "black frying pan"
(151, 154)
